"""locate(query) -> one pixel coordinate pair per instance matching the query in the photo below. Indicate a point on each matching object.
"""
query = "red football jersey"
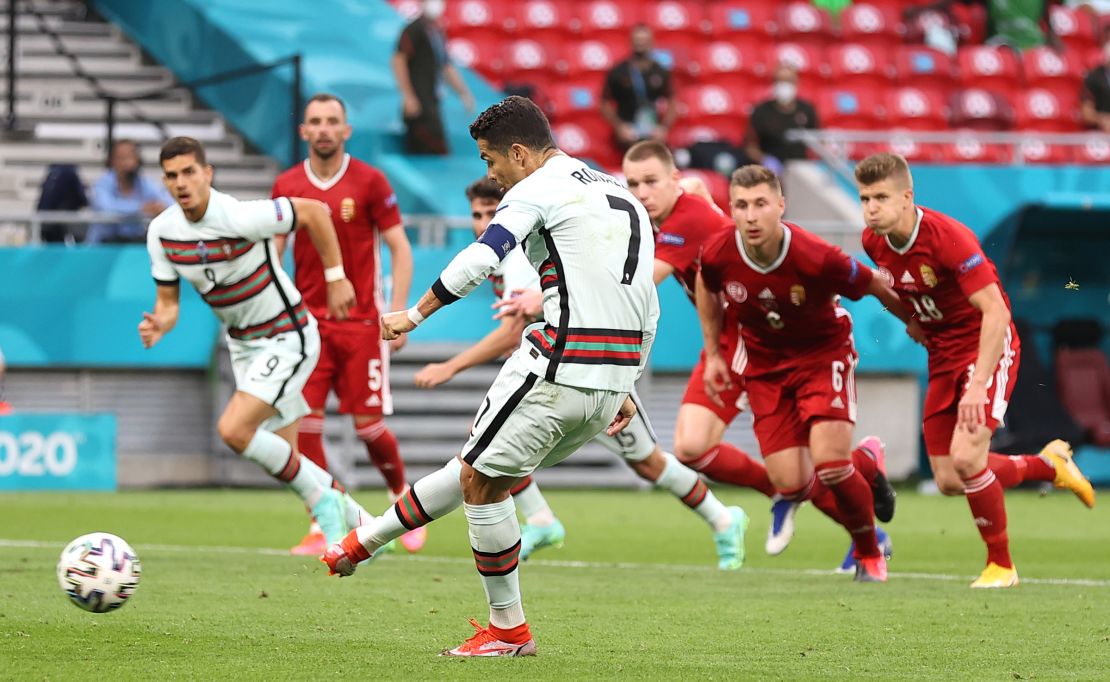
(693, 222)
(362, 204)
(935, 273)
(786, 313)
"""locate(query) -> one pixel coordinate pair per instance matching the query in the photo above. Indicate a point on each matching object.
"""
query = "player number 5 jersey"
(227, 257)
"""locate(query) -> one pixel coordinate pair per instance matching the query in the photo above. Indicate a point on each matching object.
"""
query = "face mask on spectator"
(433, 9)
(784, 91)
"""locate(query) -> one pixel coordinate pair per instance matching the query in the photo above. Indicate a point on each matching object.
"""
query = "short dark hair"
(754, 175)
(327, 97)
(485, 188)
(513, 120)
(650, 149)
(879, 167)
(180, 146)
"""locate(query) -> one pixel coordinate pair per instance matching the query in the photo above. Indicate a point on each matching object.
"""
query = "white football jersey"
(593, 246)
(227, 256)
(514, 273)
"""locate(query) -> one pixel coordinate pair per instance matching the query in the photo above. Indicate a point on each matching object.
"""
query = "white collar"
(330, 182)
(777, 262)
(913, 235)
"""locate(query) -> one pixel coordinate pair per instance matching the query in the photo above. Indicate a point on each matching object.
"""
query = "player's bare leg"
(729, 524)
(240, 428)
(382, 448)
(495, 540)
(699, 444)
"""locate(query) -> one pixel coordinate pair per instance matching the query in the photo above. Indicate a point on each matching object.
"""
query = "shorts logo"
(928, 276)
(837, 403)
(374, 401)
(797, 294)
(888, 276)
(672, 239)
(736, 292)
(971, 263)
(347, 209)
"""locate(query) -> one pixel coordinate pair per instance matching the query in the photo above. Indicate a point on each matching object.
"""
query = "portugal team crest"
(928, 276)
(736, 291)
(347, 209)
(797, 294)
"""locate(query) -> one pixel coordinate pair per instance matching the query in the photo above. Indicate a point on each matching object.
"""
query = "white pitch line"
(552, 563)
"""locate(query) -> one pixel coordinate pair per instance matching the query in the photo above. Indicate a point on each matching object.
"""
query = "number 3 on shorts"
(374, 375)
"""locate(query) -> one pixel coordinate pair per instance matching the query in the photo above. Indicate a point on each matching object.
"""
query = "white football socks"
(533, 505)
(273, 453)
(495, 540)
(683, 483)
(433, 496)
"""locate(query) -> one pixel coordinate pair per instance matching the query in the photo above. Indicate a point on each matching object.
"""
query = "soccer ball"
(99, 571)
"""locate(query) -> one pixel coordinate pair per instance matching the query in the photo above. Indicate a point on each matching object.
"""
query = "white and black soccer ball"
(99, 572)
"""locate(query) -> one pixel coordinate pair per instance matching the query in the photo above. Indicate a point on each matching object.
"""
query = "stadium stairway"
(64, 119)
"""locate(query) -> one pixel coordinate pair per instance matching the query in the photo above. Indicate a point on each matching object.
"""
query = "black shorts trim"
(499, 419)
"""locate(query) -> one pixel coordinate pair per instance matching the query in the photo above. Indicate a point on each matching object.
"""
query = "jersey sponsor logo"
(736, 292)
(971, 263)
(797, 294)
(888, 276)
(347, 209)
(928, 276)
(672, 239)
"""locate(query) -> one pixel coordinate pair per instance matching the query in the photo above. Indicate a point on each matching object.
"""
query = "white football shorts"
(275, 370)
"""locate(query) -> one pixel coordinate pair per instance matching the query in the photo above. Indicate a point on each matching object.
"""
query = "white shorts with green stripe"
(527, 423)
(276, 369)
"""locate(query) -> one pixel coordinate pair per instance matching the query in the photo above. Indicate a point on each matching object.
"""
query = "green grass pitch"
(633, 595)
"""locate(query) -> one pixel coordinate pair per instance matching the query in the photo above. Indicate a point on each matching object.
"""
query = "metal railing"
(24, 228)
(831, 146)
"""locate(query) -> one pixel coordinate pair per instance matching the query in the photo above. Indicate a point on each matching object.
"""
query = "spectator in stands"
(419, 64)
(1019, 25)
(638, 99)
(124, 190)
(1095, 104)
(765, 142)
(62, 190)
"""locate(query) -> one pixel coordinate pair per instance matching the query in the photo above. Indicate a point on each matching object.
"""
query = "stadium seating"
(915, 109)
(1047, 68)
(1083, 378)
(803, 23)
(870, 24)
(1046, 110)
(543, 20)
(747, 23)
(992, 68)
(848, 107)
(860, 65)
(979, 109)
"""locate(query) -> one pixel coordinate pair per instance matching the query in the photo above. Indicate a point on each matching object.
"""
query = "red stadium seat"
(540, 19)
(730, 64)
(924, 68)
(529, 59)
(1045, 110)
(1095, 151)
(669, 18)
(870, 24)
(845, 107)
(1035, 150)
(684, 135)
(598, 18)
(715, 182)
(408, 9)
(1077, 28)
(979, 109)
(916, 109)
(751, 22)
(476, 19)
(1083, 378)
(593, 56)
(569, 102)
(857, 65)
(712, 105)
(802, 22)
(916, 151)
(588, 138)
(1044, 66)
(808, 60)
(483, 57)
(971, 21)
(992, 68)
(968, 149)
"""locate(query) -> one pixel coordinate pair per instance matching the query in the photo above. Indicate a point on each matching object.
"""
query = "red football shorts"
(786, 404)
(354, 361)
(942, 398)
(734, 399)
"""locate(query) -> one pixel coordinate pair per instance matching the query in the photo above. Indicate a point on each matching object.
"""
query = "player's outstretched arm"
(497, 343)
(711, 314)
(313, 216)
(992, 339)
(400, 264)
(164, 318)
